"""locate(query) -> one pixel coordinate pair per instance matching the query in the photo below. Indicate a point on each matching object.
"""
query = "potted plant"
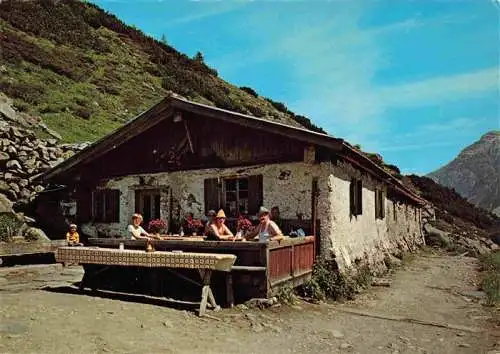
(243, 225)
(192, 226)
(157, 226)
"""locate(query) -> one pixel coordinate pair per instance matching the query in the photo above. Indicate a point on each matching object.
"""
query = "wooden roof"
(173, 104)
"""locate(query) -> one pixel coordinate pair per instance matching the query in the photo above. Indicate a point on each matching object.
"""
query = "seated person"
(210, 221)
(72, 236)
(135, 230)
(218, 230)
(267, 230)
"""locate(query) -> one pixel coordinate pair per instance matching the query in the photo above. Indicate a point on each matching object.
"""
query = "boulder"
(5, 204)
(35, 234)
(4, 156)
(13, 165)
(436, 237)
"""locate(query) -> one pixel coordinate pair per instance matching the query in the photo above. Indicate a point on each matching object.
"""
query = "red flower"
(157, 226)
(243, 224)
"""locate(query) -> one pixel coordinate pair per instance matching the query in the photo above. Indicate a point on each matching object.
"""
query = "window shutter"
(137, 206)
(255, 193)
(98, 206)
(352, 199)
(112, 204)
(382, 204)
(377, 203)
(84, 207)
(359, 197)
(212, 194)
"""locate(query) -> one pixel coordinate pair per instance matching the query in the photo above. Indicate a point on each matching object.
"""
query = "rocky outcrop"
(462, 240)
(475, 173)
(23, 157)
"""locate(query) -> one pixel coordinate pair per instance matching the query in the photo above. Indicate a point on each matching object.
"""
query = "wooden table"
(205, 263)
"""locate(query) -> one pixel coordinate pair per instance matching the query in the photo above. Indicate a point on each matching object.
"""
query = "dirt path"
(439, 290)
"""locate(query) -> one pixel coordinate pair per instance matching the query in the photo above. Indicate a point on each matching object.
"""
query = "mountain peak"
(475, 172)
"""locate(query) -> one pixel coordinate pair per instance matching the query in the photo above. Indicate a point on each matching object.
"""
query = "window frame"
(155, 210)
(215, 193)
(225, 192)
(100, 211)
(356, 197)
(379, 203)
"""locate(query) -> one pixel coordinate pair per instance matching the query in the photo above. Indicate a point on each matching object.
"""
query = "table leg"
(84, 280)
(89, 273)
(229, 289)
(204, 296)
(206, 292)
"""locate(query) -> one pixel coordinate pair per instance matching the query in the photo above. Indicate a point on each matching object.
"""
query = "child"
(72, 236)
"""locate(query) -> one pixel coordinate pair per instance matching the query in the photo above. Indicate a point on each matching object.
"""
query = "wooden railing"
(290, 263)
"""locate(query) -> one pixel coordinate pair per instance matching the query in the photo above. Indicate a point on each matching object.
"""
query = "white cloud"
(439, 89)
(214, 9)
(333, 64)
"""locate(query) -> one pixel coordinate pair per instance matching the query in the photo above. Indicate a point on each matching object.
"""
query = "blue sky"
(415, 81)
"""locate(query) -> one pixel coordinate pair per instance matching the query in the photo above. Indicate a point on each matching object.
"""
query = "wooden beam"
(301, 134)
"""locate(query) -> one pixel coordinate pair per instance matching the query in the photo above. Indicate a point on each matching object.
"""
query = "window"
(356, 197)
(235, 195)
(395, 211)
(147, 203)
(379, 204)
(106, 205)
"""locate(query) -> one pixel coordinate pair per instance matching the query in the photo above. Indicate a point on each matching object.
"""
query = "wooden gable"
(194, 142)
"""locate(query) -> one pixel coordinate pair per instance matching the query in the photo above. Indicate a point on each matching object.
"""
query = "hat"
(72, 226)
(211, 212)
(263, 210)
(221, 214)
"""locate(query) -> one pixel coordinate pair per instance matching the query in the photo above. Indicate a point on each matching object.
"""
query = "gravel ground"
(41, 312)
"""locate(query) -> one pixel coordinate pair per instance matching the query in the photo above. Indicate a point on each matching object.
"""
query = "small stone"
(404, 339)
(346, 346)
(464, 345)
(337, 334)
(460, 334)
(257, 327)
(167, 324)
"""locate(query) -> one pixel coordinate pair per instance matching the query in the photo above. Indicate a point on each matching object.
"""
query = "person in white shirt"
(267, 230)
(135, 230)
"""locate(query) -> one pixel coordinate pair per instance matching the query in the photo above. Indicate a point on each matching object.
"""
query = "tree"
(199, 57)
(164, 39)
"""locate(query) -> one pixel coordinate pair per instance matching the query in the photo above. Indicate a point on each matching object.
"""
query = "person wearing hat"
(135, 230)
(72, 236)
(267, 230)
(218, 229)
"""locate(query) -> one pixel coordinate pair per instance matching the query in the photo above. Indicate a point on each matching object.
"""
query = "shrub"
(328, 282)
(9, 225)
(490, 277)
(249, 90)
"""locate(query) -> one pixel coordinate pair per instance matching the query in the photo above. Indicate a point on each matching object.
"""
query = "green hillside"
(84, 72)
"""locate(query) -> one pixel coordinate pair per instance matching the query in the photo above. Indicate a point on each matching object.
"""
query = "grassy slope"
(86, 73)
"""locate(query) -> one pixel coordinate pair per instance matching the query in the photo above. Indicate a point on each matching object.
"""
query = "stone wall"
(363, 237)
